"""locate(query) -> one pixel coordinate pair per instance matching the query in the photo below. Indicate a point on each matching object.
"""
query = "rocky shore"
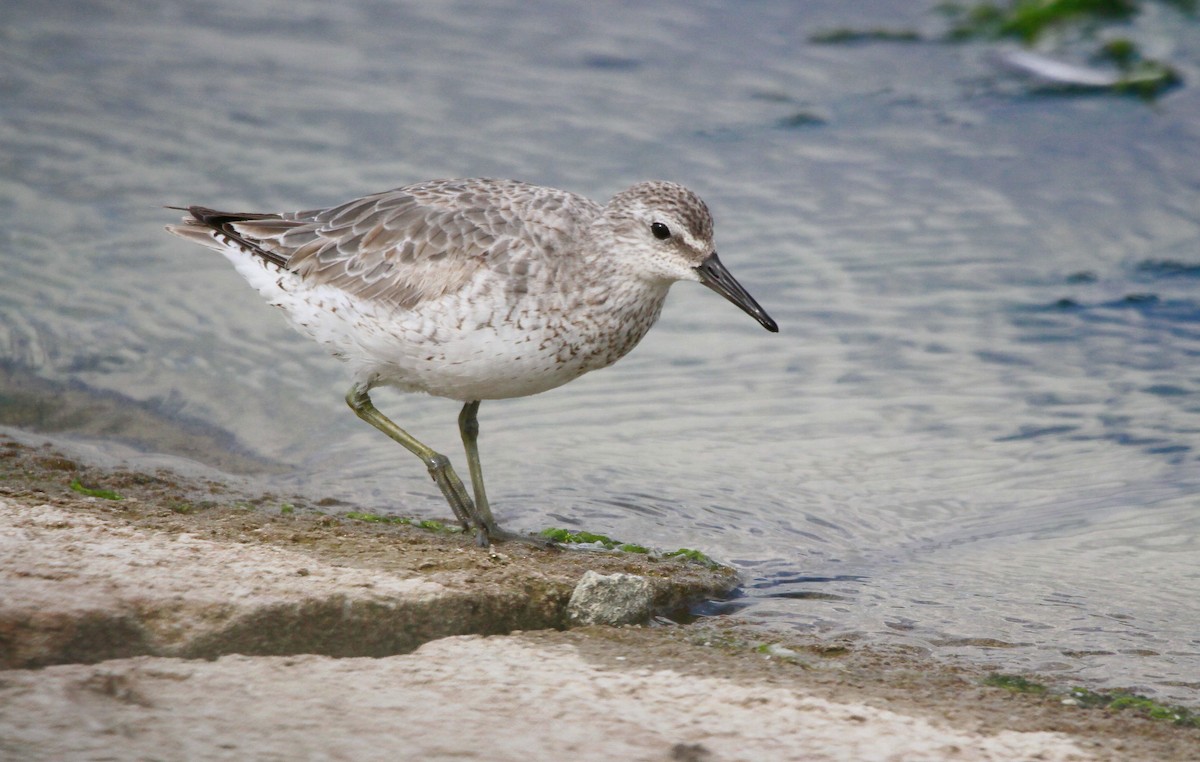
(158, 616)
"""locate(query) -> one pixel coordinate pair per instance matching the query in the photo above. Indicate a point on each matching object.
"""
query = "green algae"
(1014, 683)
(567, 537)
(694, 556)
(105, 494)
(1124, 700)
(561, 536)
(1107, 700)
(1029, 20)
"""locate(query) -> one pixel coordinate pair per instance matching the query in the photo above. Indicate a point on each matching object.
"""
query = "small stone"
(612, 599)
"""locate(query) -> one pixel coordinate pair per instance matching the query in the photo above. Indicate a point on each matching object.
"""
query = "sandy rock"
(495, 698)
(613, 599)
(81, 588)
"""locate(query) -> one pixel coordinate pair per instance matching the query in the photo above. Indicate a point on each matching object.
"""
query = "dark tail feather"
(216, 219)
(222, 222)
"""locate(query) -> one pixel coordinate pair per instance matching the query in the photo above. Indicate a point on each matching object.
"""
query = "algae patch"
(104, 494)
(567, 537)
(1029, 20)
(1108, 700)
(1014, 683)
(1122, 700)
(1116, 63)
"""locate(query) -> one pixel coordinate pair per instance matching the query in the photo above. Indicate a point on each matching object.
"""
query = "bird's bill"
(714, 275)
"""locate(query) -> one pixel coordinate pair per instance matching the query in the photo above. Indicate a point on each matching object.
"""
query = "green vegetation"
(1122, 700)
(562, 536)
(1149, 79)
(567, 537)
(1144, 77)
(1031, 21)
(1028, 20)
(375, 518)
(1110, 700)
(1120, 51)
(105, 494)
(694, 556)
(1014, 683)
(435, 526)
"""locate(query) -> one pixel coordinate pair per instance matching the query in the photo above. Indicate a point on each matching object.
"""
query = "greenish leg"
(468, 425)
(439, 465)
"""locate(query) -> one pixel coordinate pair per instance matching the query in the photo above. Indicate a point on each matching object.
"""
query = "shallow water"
(976, 433)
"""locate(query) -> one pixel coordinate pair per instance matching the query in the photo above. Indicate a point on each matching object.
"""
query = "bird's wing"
(418, 242)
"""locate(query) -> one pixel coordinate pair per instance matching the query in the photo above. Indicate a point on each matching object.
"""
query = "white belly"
(475, 344)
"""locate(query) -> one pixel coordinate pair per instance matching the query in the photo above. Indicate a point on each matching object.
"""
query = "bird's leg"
(439, 465)
(468, 426)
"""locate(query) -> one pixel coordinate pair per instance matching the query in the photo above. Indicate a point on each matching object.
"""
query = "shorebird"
(473, 290)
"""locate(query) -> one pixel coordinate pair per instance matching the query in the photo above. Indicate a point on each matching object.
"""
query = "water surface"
(977, 431)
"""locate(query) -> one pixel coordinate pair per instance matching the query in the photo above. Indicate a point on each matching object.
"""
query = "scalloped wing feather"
(420, 242)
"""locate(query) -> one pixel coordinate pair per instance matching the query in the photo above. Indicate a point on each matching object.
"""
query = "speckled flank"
(471, 289)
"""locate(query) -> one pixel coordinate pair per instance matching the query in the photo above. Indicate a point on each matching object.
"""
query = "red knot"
(473, 290)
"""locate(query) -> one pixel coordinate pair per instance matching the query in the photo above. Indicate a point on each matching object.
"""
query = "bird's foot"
(495, 534)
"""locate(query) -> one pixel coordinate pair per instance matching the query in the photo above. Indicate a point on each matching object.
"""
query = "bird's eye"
(660, 231)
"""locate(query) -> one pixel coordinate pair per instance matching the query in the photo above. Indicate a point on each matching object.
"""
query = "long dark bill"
(714, 275)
